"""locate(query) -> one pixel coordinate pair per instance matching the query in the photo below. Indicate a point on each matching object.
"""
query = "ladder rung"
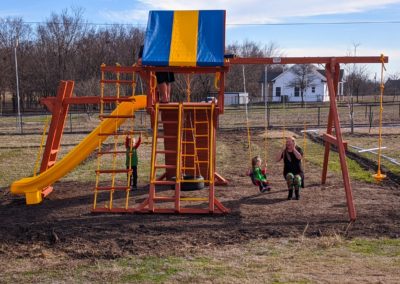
(187, 129)
(194, 181)
(193, 199)
(201, 122)
(112, 188)
(168, 121)
(126, 82)
(110, 152)
(166, 137)
(188, 168)
(165, 151)
(202, 162)
(116, 116)
(188, 142)
(188, 155)
(201, 135)
(165, 182)
(165, 166)
(117, 133)
(202, 149)
(164, 198)
(112, 171)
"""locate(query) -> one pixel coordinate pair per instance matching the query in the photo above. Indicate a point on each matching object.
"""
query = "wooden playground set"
(184, 133)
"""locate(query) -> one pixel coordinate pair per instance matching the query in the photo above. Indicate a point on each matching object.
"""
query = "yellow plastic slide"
(32, 186)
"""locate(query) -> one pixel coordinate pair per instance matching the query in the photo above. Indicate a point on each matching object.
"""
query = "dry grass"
(329, 259)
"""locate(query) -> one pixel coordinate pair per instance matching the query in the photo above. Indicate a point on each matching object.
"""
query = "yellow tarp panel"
(183, 51)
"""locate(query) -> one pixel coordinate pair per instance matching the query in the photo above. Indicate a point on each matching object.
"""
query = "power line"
(317, 23)
(249, 24)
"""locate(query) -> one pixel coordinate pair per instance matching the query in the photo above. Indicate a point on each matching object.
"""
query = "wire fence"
(278, 116)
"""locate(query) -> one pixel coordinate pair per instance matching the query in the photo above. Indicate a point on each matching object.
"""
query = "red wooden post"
(59, 112)
(331, 70)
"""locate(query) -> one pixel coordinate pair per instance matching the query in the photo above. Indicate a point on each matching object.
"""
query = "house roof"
(272, 75)
(322, 72)
(392, 83)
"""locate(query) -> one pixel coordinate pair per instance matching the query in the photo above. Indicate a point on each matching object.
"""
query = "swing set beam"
(308, 60)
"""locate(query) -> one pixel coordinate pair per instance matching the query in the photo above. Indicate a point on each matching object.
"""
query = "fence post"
(319, 116)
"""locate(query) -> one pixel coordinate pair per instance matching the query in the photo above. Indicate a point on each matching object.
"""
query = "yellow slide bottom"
(32, 186)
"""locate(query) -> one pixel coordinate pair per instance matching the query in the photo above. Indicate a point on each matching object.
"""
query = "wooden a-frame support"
(332, 71)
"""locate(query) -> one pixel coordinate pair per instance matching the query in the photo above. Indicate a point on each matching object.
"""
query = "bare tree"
(392, 85)
(304, 77)
(13, 34)
(252, 73)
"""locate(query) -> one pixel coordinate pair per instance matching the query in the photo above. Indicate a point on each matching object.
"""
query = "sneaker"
(264, 189)
(290, 195)
(297, 194)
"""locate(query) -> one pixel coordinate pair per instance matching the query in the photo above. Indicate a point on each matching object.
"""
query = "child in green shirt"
(132, 158)
(258, 174)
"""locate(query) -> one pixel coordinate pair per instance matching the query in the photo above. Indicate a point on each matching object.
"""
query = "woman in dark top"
(292, 169)
(164, 80)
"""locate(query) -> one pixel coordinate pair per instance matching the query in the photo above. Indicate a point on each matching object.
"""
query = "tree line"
(67, 47)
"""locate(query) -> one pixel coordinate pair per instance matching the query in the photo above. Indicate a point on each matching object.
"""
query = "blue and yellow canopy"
(185, 38)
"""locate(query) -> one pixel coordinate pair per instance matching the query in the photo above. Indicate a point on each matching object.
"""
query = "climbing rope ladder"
(120, 176)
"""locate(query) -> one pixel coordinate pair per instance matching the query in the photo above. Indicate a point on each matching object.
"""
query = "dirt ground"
(64, 225)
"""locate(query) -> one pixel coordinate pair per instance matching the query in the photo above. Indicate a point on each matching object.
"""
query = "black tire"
(189, 186)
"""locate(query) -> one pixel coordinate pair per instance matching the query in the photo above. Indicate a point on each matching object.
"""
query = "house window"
(296, 91)
(278, 91)
(312, 89)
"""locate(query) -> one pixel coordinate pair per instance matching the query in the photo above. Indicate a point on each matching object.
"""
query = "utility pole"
(19, 118)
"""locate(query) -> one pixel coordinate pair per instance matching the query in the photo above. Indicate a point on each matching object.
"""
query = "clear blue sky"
(257, 20)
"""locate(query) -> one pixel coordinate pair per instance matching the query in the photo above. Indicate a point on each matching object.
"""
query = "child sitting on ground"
(258, 175)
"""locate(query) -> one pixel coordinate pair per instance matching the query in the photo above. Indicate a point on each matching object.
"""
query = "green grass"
(315, 155)
(383, 247)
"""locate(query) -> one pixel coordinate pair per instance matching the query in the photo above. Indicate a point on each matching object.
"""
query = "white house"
(285, 85)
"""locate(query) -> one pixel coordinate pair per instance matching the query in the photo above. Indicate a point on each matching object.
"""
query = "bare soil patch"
(64, 226)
